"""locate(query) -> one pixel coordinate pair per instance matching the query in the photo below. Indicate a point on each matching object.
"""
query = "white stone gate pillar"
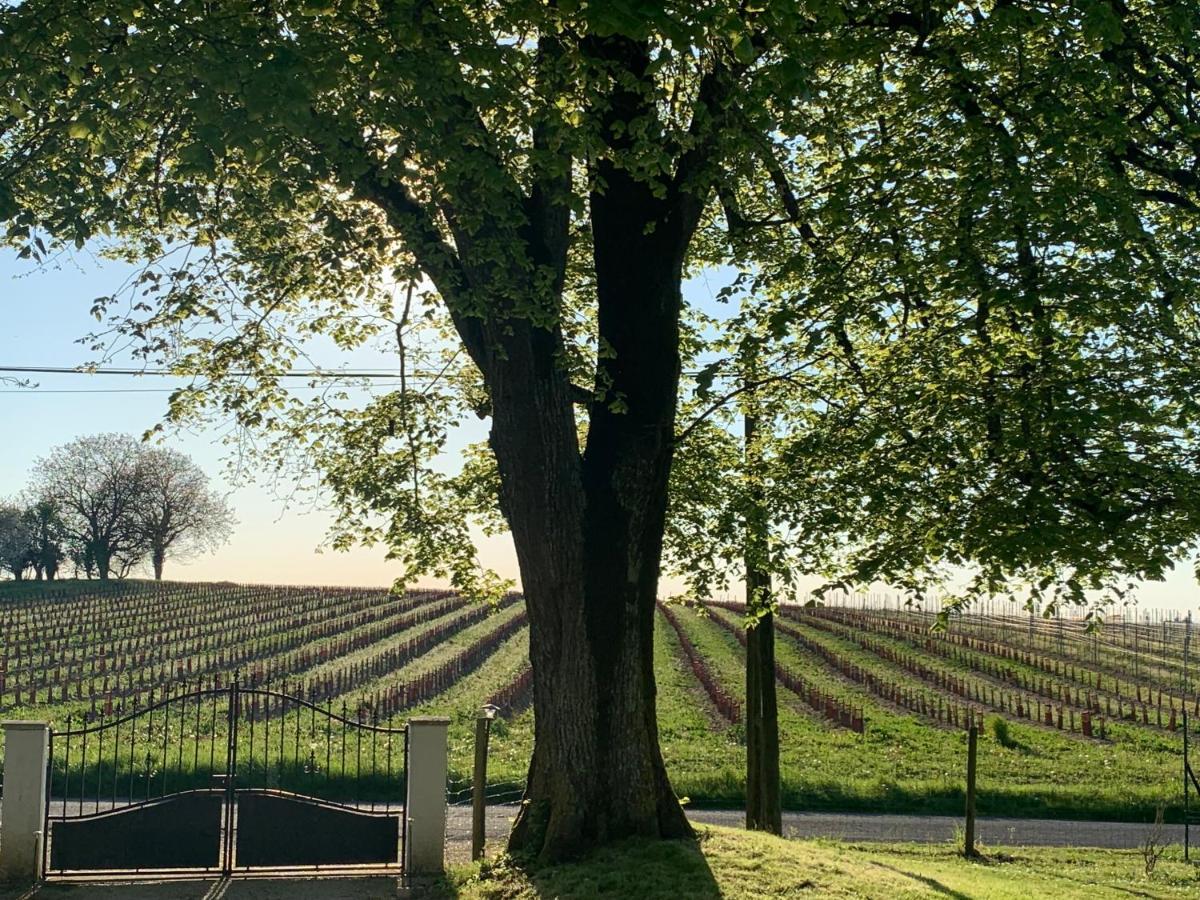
(426, 804)
(26, 745)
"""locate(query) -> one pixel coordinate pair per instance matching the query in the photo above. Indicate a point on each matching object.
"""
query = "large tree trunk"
(588, 527)
(103, 562)
(596, 772)
(588, 537)
(158, 557)
(588, 533)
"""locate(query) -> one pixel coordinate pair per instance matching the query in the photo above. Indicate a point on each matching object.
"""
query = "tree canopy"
(110, 503)
(981, 328)
(961, 239)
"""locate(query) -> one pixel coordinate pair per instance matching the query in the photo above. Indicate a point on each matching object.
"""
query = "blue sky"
(45, 313)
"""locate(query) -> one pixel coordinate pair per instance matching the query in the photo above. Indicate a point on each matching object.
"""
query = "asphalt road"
(856, 827)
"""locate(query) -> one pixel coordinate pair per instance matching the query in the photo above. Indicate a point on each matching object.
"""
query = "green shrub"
(999, 728)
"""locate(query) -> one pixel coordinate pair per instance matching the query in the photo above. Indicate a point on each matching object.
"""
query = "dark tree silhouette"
(16, 540)
(45, 524)
(96, 482)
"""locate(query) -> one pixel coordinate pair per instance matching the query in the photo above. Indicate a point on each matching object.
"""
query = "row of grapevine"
(1052, 645)
(1114, 645)
(163, 635)
(727, 705)
(971, 653)
(945, 710)
(330, 681)
(144, 618)
(266, 700)
(396, 697)
(832, 707)
(63, 682)
(941, 710)
(516, 694)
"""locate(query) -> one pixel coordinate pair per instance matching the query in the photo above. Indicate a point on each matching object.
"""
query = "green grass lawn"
(735, 864)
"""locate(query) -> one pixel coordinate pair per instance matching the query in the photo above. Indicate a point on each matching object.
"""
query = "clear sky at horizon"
(46, 312)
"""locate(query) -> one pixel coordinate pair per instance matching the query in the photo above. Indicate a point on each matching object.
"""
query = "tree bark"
(588, 533)
(158, 557)
(587, 527)
(103, 563)
(763, 794)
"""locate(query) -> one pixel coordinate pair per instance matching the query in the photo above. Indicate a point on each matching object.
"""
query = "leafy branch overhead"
(981, 217)
(959, 241)
(981, 255)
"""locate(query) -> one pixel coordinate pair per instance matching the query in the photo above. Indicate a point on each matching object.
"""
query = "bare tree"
(177, 511)
(96, 482)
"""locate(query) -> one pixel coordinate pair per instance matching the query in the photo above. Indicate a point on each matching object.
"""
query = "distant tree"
(177, 511)
(45, 524)
(16, 542)
(96, 482)
(81, 559)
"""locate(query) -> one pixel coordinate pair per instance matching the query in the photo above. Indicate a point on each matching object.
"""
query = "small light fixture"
(490, 710)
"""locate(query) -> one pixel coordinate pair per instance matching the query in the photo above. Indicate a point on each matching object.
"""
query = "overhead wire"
(167, 373)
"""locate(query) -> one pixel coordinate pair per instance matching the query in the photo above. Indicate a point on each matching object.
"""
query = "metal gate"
(226, 779)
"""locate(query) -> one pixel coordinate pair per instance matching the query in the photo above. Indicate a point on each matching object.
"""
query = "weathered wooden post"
(763, 797)
(483, 729)
(26, 745)
(972, 743)
(426, 804)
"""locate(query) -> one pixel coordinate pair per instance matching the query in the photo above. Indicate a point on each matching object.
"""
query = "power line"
(300, 373)
(304, 373)
(37, 390)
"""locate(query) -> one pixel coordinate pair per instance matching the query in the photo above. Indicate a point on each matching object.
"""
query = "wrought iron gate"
(221, 779)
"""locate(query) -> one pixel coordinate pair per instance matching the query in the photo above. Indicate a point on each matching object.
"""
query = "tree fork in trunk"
(589, 570)
(597, 772)
(587, 527)
(588, 534)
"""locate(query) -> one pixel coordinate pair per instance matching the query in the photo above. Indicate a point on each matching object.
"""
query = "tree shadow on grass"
(328, 888)
(653, 870)
(1132, 892)
(931, 883)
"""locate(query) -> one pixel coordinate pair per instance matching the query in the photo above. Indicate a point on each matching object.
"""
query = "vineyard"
(873, 704)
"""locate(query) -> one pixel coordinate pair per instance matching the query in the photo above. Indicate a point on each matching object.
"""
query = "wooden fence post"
(483, 728)
(972, 743)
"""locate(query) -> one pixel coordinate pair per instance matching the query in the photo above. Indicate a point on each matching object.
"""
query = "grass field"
(75, 650)
(737, 864)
